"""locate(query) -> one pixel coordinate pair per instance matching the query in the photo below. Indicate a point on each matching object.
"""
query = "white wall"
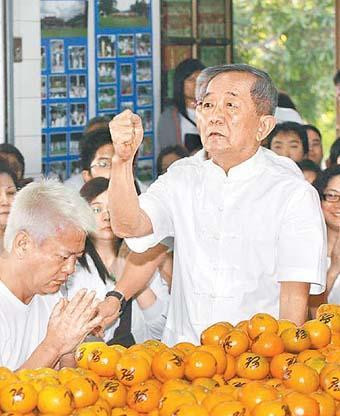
(2, 79)
(27, 101)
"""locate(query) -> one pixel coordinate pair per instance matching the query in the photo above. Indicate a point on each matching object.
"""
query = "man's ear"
(22, 244)
(266, 125)
(86, 175)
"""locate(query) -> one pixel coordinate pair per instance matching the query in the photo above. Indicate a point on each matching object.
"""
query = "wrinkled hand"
(108, 312)
(127, 134)
(71, 321)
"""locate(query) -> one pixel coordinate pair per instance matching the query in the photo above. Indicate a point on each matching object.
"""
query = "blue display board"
(124, 68)
(123, 76)
(64, 84)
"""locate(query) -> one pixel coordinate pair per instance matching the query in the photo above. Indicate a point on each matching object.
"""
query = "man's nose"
(70, 265)
(217, 114)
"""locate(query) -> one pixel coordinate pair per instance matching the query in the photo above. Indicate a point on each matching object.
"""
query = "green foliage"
(294, 42)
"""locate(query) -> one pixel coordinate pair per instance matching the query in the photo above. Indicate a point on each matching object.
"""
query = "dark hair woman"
(176, 124)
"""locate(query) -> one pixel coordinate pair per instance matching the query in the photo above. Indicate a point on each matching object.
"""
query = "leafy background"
(295, 42)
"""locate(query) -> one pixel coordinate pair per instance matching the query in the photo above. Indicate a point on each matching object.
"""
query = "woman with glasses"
(327, 184)
(103, 264)
(8, 189)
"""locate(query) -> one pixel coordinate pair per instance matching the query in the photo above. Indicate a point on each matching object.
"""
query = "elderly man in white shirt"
(249, 232)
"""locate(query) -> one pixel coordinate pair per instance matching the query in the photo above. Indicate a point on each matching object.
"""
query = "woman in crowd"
(289, 139)
(102, 265)
(168, 156)
(309, 169)
(177, 123)
(8, 189)
(328, 186)
(334, 153)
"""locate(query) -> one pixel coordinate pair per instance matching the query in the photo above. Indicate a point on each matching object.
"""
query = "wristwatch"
(120, 296)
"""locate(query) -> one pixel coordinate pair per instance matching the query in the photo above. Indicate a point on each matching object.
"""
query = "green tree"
(294, 42)
(106, 6)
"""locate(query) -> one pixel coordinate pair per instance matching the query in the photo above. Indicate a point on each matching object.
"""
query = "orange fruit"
(186, 347)
(103, 360)
(84, 350)
(124, 411)
(85, 391)
(174, 384)
(333, 356)
(326, 403)
(230, 408)
(143, 351)
(167, 364)
(20, 397)
(191, 410)
(271, 408)
(319, 333)
(143, 397)
(88, 411)
(280, 363)
(296, 339)
(331, 383)
(301, 404)
(114, 392)
(262, 322)
(103, 404)
(331, 319)
(120, 348)
(173, 399)
(155, 345)
(218, 352)
(254, 393)
(235, 342)
(219, 379)
(7, 377)
(199, 364)
(66, 374)
(305, 355)
(301, 378)
(335, 339)
(214, 333)
(326, 369)
(243, 325)
(277, 383)
(238, 382)
(131, 368)
(56, 399)
(285, 324)
(200, 392)
(230, 370)
(267, 344)
(252, 366)
(216, 397)
(327, 308)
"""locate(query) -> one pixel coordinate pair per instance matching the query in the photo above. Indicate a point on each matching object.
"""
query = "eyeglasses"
(331, 197)
(102, 163)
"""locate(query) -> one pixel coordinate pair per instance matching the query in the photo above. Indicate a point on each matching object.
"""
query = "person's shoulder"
(190, 162)
(281, 167)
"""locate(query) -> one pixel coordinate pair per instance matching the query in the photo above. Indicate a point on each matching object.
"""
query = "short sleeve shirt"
(236, 237)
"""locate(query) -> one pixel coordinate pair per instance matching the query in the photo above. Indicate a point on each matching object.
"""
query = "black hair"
(336, 78)
(177, 150)
(284, 101)
(5, 168)
(287, 126)
(102, 120)
(89, 145)
(315, 129)
(307, 164)
(8, 148)
(323, 178)
(182, 72)
(334, 152)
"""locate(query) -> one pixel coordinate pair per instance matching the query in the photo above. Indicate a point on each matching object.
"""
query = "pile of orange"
(260, 367)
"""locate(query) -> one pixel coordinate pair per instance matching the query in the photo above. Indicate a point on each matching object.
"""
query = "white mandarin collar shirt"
(237, 236)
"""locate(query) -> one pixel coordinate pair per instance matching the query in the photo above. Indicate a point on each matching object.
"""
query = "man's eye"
(207, 105)
(96, 210)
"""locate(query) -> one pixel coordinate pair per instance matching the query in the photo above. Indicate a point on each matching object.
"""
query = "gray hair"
(263, 91)
(43, 208)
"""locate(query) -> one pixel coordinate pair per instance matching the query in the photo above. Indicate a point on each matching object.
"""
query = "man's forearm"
(294, 301)
(45, 355)
(123, 200)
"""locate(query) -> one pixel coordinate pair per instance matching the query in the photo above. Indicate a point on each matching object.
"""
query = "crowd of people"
(244, 217)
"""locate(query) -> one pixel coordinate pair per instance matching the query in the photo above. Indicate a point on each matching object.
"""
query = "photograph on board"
(143, 70)
(57, 170)
(74, 143)
(78, 114)
(144, 94)
(146, 116)
(124, 13)
(126, 80)
(43, 117)
(58, 146)
(57, 55)
(145, 170)
(75, 167)
(143, 44)
(76, 57)
(106, 72)
(106, 46)
(107, 98)
(146, 147)
(124, 105)
(42, 58)
(43, 145)
(125, 46)
(43, 87)
(57, 86)
(63, 18)
(78, 86)
(58, 115)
